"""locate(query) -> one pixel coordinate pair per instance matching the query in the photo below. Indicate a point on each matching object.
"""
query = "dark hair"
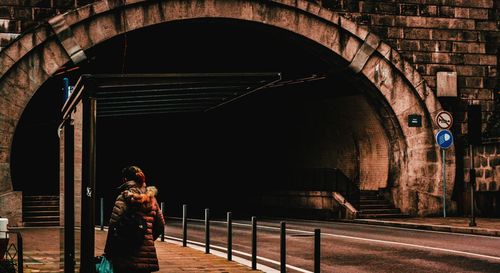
(133, 173)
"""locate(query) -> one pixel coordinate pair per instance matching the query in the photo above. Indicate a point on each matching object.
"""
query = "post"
(472, 182)
(87, 235)
(317, 250)
(254, 243)
(207, 231)
(102, 213)
(229, 237)
(184, 225)
(283, 247)
(69, 200)
(162, 207)
(444, 183)
(20, 255)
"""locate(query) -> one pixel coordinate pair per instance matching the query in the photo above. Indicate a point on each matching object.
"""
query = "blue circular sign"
(444, 139)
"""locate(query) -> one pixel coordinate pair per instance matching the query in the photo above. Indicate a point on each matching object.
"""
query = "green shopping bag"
(103, 265)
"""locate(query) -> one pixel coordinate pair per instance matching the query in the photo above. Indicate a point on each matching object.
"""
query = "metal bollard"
(162, 207)
(20, 254)
(229, 237)
(102, 213)
(184, 225)
(254, 243)
(207, 231)
(317, 250)
(283, 247)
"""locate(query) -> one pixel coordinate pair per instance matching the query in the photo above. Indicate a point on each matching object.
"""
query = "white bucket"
(3, 228)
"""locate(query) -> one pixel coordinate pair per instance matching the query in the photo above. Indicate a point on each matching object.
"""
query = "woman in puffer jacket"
(135, 196)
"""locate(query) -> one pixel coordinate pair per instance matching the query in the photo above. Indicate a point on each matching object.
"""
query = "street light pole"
(472, 182)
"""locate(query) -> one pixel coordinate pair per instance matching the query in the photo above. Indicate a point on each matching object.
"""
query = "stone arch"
(30, 60)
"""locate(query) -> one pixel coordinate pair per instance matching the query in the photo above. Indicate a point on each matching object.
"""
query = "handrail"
(19, 250)
(351, 211)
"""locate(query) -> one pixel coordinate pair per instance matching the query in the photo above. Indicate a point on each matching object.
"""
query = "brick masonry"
(433, 36)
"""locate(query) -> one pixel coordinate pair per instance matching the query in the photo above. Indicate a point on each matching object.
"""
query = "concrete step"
(42, 218)
(380, 211)
(40, 197)
(29, 213)
(40, 208)
(374, 202)
(368, 193)
(42, 224)
(382, 215)
(376, 206)
(40, 202)
(40, 211)
(373, 205)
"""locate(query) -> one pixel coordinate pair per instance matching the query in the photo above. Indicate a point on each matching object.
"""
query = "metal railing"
(229, 231)
(12, 262)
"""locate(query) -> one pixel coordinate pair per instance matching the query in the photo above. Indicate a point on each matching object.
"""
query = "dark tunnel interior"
(218, 159)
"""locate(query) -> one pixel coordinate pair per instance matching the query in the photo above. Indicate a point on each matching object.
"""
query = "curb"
(441, 228)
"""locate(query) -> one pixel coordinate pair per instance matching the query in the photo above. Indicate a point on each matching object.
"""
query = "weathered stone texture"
(448, 35)
(487, 165)
(432, 37)
(11, 207)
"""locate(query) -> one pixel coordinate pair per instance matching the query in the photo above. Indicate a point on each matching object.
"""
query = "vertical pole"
(207, 231)
(472, 182)
(69, 199)
(317, 250)
(444, 183)
(254, 243)
(102, 213)
(162, 207)
(184, 225)
(88, 185)
(66, 89)
(283, 247)
(20, 254)
(229, 237)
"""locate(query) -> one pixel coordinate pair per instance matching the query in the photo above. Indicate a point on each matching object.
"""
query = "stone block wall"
(18, 16)
(435, 35)
(439, 35)
(487, 165)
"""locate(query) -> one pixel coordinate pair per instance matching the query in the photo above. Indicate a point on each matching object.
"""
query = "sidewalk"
(42, 254)
(484, 226)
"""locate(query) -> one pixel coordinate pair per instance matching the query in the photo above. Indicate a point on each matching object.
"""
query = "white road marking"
(201, 246)
(389, 242)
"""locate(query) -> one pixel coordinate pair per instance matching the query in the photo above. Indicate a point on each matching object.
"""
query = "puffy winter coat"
(142, 200)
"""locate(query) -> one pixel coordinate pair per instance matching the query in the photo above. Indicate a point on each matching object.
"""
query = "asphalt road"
(352, 247)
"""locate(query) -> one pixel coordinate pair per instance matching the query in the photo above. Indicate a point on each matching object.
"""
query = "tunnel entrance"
(380, 90)
(320, 117)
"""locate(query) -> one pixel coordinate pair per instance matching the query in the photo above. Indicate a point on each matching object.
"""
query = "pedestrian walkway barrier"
(254, 246)
(229, 228)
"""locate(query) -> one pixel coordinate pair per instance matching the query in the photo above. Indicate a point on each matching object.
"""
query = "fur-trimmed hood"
(133, 194)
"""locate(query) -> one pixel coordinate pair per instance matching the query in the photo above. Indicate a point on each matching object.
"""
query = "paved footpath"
(42, 245)
(42, 254)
